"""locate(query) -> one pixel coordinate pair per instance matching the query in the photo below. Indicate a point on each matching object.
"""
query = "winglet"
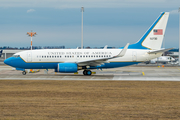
(105, 47)
(123, 51)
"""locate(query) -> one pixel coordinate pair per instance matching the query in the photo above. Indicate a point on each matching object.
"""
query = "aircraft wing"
(160, 51)
(96, 62)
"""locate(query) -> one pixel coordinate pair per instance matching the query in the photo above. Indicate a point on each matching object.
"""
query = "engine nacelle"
(67, 67)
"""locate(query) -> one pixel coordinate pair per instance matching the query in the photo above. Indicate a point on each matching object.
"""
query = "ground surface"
(85, 100)
(148, 73)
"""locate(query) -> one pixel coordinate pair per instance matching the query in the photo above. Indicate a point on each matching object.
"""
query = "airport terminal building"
(8, 53)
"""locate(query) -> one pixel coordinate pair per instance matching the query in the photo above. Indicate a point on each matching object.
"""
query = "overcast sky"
(106, 22)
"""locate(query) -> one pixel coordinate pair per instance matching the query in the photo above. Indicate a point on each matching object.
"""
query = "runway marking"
(143, 73)
(178, 69)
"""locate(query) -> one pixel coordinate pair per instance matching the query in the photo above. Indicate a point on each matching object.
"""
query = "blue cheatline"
(19, 63)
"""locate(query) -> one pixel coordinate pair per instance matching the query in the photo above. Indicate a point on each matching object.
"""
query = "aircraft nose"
(7, 61)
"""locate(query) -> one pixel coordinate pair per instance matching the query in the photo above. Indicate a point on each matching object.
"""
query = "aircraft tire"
(24, 72)
(87, 72)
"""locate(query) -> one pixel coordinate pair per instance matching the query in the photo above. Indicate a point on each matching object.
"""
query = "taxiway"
(137, 73)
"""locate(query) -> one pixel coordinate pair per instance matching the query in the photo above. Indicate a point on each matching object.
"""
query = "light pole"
(179, 35)
(82, 10)
(31, 34)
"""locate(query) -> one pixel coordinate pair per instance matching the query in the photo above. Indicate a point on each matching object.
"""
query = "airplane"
(1, 53)
(161, 59)
(73, 60)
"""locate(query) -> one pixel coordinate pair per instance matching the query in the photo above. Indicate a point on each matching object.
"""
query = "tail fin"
(153, 37)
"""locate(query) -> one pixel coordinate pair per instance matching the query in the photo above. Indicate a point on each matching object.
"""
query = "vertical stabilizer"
(154, 36)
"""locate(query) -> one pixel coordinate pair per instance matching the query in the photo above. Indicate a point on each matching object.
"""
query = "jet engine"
(67, 67)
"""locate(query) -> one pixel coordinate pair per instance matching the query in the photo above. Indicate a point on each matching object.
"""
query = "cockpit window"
(16, 56)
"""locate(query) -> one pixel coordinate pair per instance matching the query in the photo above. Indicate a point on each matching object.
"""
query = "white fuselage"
(77, 55)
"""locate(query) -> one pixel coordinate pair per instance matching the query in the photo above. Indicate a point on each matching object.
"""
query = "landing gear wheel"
(87, 72)
(24, 72)
(84, 72)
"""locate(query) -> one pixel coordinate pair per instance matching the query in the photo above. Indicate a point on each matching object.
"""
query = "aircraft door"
(134, 56)
(29, 57)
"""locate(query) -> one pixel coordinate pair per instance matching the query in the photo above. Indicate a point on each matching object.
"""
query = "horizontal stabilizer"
(160, 51)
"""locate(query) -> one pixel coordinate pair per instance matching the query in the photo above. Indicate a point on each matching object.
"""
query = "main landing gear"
(87, 72)
(24, 72)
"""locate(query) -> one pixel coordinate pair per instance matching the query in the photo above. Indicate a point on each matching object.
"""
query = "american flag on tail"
(158, 31)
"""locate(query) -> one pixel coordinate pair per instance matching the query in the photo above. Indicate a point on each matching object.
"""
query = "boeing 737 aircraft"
(72, 60)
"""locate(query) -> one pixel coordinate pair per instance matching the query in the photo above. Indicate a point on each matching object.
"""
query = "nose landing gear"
(24, 72)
